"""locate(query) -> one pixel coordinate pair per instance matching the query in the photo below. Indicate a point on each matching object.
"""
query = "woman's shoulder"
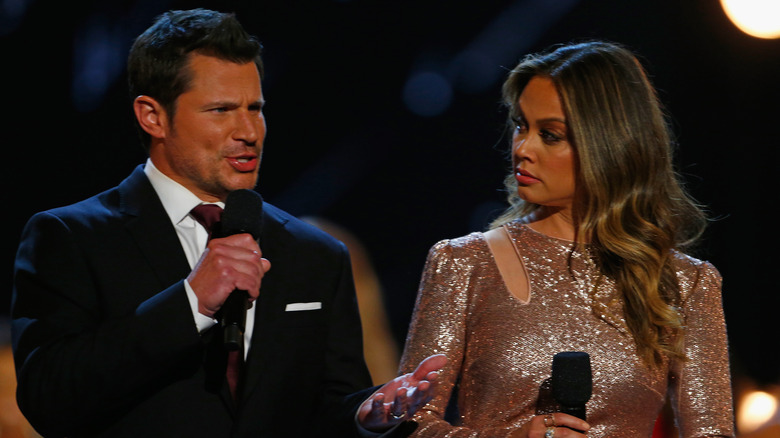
(466, 249)
(685, 262)
(465, 242)
(693, 273)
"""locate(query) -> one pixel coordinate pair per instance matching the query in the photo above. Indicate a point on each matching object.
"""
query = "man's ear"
(151, 116)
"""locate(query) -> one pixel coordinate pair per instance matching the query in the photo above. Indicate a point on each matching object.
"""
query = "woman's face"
(542, 154)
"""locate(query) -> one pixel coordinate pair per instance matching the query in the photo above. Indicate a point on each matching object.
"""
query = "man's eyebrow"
(221, 103)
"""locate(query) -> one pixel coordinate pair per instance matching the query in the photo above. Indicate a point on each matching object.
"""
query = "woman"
(598, 220)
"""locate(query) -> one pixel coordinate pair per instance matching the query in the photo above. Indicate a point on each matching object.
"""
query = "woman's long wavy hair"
(629, 201)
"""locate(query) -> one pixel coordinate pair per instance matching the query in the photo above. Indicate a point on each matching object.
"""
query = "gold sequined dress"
(500, 349)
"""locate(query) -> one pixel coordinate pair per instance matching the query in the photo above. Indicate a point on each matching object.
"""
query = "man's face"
(214, 142)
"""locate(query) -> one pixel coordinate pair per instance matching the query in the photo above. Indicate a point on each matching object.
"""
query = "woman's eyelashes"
(519, 124)
(548, 135)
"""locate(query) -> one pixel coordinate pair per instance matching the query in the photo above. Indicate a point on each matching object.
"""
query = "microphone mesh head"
(243, 213)
(572, 381)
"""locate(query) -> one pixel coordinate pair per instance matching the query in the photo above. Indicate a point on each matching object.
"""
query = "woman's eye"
(550, 137)
(519, 123)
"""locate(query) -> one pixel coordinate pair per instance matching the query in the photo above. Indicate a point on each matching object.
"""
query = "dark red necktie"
(208, 215)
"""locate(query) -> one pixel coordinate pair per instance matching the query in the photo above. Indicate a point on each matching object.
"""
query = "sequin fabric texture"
(500, 348)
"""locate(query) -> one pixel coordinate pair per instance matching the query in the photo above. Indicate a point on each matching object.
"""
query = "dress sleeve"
(701, 387)
(439, 326)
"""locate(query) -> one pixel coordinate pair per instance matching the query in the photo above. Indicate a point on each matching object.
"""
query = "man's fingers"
(422, 388)
(429, 365)
(399, 407)
(238, 259)
(377, 404)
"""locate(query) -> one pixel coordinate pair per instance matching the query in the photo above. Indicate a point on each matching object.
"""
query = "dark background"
(345, 144)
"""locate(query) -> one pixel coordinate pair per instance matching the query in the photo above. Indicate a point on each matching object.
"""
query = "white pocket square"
(297, 307)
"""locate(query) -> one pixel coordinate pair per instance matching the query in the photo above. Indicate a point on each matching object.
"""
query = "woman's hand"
(557, 425)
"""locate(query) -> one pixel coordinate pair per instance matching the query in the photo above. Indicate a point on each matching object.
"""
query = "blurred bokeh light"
(758, 18)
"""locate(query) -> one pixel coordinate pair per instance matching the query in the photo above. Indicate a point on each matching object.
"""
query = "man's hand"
(229, 263)
(401, 397)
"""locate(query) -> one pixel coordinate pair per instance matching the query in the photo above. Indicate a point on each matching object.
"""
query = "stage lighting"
(756, 409)
(758, 18)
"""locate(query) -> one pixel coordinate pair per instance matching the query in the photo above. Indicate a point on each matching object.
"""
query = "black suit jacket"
(105, 343)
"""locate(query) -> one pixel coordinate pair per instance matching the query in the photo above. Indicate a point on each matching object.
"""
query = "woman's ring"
(550, 433)
(397, 416)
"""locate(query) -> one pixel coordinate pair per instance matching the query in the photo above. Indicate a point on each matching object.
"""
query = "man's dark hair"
(158, 62)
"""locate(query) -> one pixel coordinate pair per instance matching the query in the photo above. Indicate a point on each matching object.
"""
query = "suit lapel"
(272, 297)
(151, 228)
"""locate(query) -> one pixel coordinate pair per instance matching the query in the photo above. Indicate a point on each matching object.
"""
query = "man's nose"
(249, 127)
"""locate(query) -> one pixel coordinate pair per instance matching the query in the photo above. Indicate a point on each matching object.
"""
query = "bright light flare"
(756, 408)
(758, 18)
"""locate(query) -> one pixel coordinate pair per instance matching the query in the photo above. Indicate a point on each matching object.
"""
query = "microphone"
(572, 382)
(243, 214)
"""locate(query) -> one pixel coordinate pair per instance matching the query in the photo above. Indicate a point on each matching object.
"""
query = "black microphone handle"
(233, 319)
(243, 214)
(577, 411)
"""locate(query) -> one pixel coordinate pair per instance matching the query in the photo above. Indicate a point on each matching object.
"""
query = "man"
(116, 298)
